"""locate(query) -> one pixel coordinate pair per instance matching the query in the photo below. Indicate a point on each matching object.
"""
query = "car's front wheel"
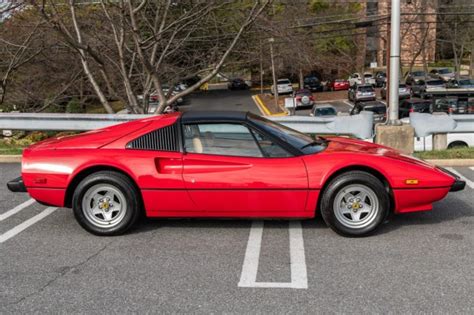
(355, 203)
(106, 203)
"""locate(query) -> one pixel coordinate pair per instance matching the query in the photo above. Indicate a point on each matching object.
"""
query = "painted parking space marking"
(471, 168)
(348, 103)
(17, 209)
(299, 279)
(468, 182)
(26, 224)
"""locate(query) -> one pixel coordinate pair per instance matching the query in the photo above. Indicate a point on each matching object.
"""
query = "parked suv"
(443, 73)
(284, 86)
(361, 93)
(379, 109)
(403, 91)
(313, 84)
(414, 105)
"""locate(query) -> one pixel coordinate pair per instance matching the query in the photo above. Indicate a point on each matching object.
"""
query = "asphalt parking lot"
(417, 263)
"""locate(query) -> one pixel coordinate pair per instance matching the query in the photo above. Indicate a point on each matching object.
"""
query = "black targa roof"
(210, 116)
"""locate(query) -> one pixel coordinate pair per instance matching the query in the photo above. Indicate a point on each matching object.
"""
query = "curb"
(264, 109)
(452, 162)
(10, 158)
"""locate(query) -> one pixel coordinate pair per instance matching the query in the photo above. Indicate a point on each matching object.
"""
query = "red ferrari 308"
(226, 164)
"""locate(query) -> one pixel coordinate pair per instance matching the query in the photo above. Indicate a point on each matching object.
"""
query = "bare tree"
(156, 44)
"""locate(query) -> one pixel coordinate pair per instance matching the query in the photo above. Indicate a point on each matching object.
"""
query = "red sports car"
(338, 85)
(225, 164)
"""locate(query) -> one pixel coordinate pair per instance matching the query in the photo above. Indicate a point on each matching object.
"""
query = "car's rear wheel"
(355, 203)
(106, 203)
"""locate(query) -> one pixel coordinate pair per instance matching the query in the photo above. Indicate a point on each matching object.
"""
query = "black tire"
(457, 145)
(121, 183)
(349, 179)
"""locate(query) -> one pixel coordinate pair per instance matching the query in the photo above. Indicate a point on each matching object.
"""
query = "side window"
(220, 139)
(269, 148)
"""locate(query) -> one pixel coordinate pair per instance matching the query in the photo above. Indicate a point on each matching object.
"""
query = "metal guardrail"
(360, 126)
(439, 123)
(62, 122)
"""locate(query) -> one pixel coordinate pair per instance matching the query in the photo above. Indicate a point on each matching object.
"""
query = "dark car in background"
(313, 84)
(451, 105)
(414, 105)
(237, 84)
(414, 77)
(360, 93)
(461, 83)
(379, 109)
(323, 110)
(338, 85)
(380, 78)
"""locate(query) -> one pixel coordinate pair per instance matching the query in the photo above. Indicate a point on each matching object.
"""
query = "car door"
(228, 173)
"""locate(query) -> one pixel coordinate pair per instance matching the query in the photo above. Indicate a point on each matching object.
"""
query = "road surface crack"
(64, 272)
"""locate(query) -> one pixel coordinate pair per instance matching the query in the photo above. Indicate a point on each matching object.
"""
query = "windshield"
(365, 89)
(466, 82)
(367, 75)
(444, 71)
(418, 74)
(376, 109)
(301, 141)
(283, 81)
(435, 82)
(325, 111)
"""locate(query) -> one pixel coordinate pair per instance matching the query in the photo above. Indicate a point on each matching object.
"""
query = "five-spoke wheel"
(355, 203)
(106, 203)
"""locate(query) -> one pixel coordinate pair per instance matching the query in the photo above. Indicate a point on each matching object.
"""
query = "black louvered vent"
(164, 139)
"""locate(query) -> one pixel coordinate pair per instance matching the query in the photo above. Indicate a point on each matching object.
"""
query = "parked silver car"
(360, 93)
(404, 91)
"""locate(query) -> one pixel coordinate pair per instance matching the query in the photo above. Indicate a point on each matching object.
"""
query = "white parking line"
(23, 226)
(472, 168)
(468, 182)
(299, 279)
(348, 103)
(17, 209)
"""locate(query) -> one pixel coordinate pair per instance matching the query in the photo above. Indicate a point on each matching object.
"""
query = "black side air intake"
(164, 139)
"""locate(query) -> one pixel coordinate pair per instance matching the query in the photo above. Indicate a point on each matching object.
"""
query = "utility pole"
(394, 79)
(387, 53)
(275, 88)
(261, 69)
(395, 134)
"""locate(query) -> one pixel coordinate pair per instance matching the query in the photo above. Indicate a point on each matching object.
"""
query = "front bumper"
(458, 184)
(17, 185)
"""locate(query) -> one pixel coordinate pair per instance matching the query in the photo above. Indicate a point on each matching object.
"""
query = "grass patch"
(10, 149)
(460, 153)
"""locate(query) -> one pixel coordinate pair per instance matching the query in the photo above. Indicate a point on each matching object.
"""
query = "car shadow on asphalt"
(450, 209)
(444, 211)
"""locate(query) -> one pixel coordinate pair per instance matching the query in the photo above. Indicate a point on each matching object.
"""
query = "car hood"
(347, 145)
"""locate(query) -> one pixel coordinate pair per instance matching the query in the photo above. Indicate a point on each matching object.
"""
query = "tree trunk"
(301, 79)
(471, 66)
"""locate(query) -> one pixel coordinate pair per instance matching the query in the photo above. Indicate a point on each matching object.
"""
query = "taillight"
(412, 110)
(311, 98)
(450, 110)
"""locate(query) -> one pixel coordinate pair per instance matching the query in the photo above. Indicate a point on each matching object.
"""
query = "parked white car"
(356, 79)
(284, 86)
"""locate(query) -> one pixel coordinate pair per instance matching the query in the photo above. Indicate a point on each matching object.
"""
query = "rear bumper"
(17, 185)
